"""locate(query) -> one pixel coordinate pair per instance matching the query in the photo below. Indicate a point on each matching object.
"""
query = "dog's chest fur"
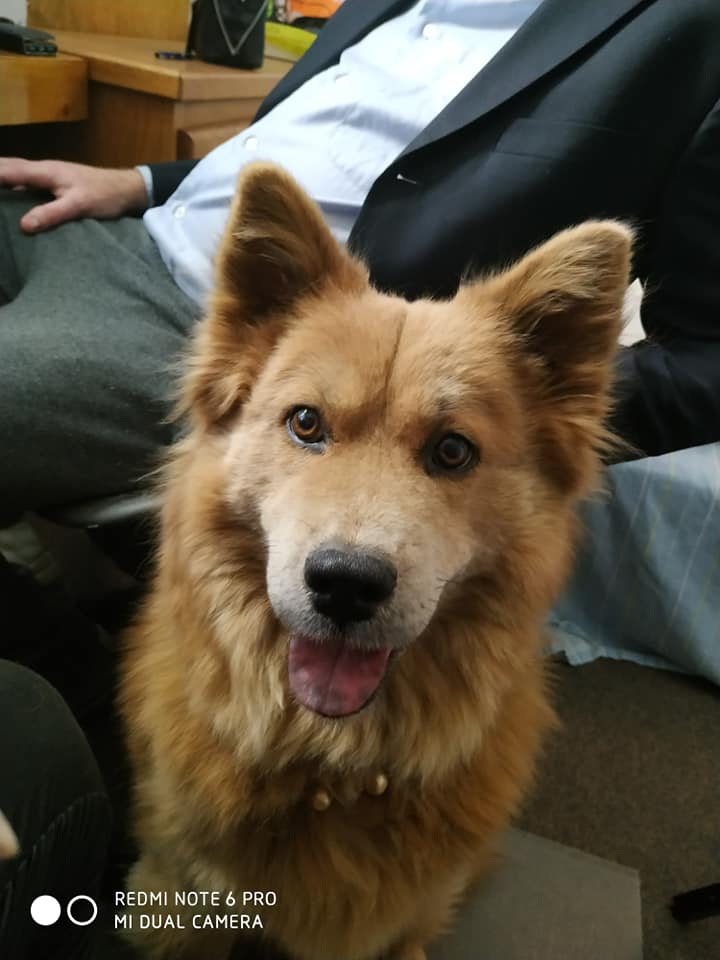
(345, 876)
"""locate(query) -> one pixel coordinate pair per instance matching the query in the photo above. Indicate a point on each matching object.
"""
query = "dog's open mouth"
(333, 678)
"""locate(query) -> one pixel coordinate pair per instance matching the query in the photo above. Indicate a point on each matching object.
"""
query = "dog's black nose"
(347, 585)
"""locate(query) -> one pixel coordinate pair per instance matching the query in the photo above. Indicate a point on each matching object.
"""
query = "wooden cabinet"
(126, 18)
(42, 89)
(143, 109)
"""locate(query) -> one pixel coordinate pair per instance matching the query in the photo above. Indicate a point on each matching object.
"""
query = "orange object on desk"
(317, 9)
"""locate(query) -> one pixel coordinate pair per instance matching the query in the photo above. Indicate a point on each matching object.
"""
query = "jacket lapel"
(554, 32)
(351, 23)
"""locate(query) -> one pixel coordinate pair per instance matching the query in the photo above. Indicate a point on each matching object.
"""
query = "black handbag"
(228, 32)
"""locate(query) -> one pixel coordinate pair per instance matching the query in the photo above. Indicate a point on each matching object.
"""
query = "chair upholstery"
(106, 511)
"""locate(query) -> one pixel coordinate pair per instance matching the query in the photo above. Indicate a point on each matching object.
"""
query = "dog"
(335, 690)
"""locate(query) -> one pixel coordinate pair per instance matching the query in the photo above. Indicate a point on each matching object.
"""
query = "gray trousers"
(92, 328)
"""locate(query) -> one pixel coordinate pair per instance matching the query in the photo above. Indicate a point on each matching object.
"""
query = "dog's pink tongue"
(333, 678)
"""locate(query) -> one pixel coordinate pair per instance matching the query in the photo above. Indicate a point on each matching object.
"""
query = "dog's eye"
(305, 425)
(453, 452)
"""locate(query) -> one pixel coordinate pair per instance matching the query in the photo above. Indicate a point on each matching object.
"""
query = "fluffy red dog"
(362, 532)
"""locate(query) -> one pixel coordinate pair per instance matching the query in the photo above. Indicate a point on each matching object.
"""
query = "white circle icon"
(80, 897)
(45, 911)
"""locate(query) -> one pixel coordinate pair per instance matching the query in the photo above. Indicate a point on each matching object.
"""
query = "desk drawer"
(195, 142)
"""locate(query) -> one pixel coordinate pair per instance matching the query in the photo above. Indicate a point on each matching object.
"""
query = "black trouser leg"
(43, 629)
(52, 794)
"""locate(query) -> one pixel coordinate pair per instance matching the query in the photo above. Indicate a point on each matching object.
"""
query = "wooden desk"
(142, 109)
(42, 89)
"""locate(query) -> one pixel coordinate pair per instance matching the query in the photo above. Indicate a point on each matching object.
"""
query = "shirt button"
(431, 31)
(179, 212)
(251, 143)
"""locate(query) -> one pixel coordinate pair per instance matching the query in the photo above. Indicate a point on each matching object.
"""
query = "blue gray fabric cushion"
(646, 585)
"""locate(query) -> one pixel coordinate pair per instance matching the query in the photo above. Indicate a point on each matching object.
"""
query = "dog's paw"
(347, 791)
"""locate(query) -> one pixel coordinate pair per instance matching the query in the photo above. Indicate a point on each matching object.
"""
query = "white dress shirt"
(342, 128)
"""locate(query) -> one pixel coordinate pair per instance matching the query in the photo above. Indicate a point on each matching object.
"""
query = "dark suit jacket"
(595, 108)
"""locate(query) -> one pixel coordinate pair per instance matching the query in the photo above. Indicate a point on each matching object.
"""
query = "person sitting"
(440, 138)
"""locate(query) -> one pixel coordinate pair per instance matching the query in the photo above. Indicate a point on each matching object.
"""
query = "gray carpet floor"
(633, 776)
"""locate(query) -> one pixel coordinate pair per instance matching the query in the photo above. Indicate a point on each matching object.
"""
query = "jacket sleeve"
(669, 384)
(167, 177)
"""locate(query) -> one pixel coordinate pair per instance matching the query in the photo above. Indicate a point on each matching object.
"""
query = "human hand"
(79, 191)
(8, 840)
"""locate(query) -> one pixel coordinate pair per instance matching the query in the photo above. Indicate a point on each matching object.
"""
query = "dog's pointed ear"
(563, 304)
(276, 251)
(565, 297)
(277, 247)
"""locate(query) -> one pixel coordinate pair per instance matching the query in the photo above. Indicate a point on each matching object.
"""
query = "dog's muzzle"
(329, 673)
